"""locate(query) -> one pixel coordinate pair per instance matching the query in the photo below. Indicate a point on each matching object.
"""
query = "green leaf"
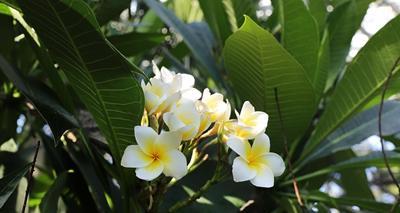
(343, 23)
(44, 100)
(363, 78)
(97, 72)
(220, 16)
(131, 44)
(318, 10)
(364, 204)
(242, 8)
(300, 37)
(359, 128)
(49, 202)
(200, 52)
(9, 182)
(373, 159)
(253, 54)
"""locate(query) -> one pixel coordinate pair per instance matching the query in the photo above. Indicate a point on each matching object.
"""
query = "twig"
(385, 87)
(30, 177)
(296, 188)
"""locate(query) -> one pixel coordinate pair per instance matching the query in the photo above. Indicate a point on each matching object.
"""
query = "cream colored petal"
(134, 157)
(191, 94)
(151, 171)
(172, 121)
(241, 171)
(168, 102)
(166, 75)
(241, 147)
(206, 94)
(275, 163)
(145, 138)
(247, 110)
(261, 119)
(151, 102)
(176, 164)
(156, 71)
(261, 145)
(169, 140)
(264, 178)
(228, 111)
(189, 132)
(187, 81)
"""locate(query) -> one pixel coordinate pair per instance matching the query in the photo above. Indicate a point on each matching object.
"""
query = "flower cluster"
(177, 116)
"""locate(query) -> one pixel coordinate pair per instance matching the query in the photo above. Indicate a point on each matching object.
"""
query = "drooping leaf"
(49, 202)
(202, 54)
(343, 23)
(131, 44)
(302, 42)
(359, 128)
(9, 182)
(244, 7)
(363, 78)
(101, 78)
(253, 54)
(44, 100)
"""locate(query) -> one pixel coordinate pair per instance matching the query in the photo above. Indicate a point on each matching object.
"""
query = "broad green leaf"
(9, 182)
(131, 44)
(322, 64)
(49, 202)
(300, 37)
(343, 23)
(256, 64)
(97, 73)
(202, 54)
(318, 10)
(44, 100)
(364, 76)
(220, 16)
(359, 128)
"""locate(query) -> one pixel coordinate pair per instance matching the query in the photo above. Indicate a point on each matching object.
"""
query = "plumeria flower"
(217, 108)
(255, 163)
(180, 82)
(184, 118)
(250, 122)
(155, 154)
(159, 96)
(205, 118)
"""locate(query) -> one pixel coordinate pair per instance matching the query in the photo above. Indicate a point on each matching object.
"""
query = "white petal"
(156, 71)
(261, 120)
(275, 163)
(172, 121)
(187, 81)
(247, 109)
(206, 94)
(228, 111)
(134, 157)
(241, 171)
(151, 171)
(176, 165)
(241, 147)
(151, 101)
(145, 138)
(169, 101)
(191, 94)
(166, 75)
(261, 145)
(169, 140)
(264, 178)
